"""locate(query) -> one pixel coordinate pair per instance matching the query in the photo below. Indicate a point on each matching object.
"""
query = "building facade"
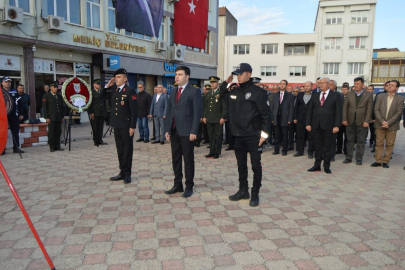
(38, 50)
(341, 47)
(227, 26)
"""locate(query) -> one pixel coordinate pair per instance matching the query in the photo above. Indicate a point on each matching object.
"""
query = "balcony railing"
(384, 79)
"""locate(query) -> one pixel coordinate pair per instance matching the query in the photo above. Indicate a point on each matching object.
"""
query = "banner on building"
(191, 23)
(140, 16)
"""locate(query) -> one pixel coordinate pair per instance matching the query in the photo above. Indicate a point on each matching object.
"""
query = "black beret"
(120, 71)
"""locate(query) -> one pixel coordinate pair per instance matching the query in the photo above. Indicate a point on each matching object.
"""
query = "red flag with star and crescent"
(191, 22)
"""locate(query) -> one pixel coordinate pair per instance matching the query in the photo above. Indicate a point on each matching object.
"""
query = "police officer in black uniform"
(97, 112)
(256, 81)
(124, 109)
(214, 117)
(249, 118)
(52, 104)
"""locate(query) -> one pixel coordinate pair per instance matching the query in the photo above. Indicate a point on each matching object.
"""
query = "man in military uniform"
(202, 131)
(124, 109)
(97, 113)
(214, 117)
(52, 104)
(256, 81)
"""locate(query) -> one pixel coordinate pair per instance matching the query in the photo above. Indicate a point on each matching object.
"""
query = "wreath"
(76, 94)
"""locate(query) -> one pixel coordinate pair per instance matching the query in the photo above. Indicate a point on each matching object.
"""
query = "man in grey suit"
(158, 112)
(183, 116)
(282, 108)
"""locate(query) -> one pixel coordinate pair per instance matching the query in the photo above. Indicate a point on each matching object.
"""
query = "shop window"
(93, 13)
(24, 4)
(61, 7)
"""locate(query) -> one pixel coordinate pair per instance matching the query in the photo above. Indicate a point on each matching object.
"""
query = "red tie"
(323, 99)
(178, 94)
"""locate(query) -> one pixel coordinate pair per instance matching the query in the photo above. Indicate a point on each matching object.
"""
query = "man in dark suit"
(340, 142)
(97, 112)
(357, 110)
(52, 105)
(158, 110)
(333, 88)
(324, 117)
(181, 127)
(282, 109)
(292, 129)
(317, 89)
(202, 130)
(124, 109)
(300, 113)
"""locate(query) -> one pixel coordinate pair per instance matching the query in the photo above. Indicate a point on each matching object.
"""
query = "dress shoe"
(347, 161)
(230, 148)
(332, 159)
(117, 178)
(187, 193)
(242, 194)
(102, 143)
(163, 142)
(175, 189)
(209, 155)
(376, 164)
(338, 152)
(154, 142)
(16, 151)
(254, 201)
(140, 140)
(95, 144)
(298, 154)
(284, 153)
(314, 169)
(127, 180)
(328, 171)
(310, 156)
(216, 156)
(52, 150)
(59, 149)
(385, 165)
(276, 152)
(359, 162)
(146, 141)
(153, 138)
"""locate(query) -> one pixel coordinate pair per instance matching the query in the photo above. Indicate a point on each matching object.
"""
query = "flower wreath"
(76, 94)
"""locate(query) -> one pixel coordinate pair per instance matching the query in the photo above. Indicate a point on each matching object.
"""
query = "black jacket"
(144, 102)
(285, 109)
(325, 117)
(97, 105)
(300, 109)
(248, 112)
(53, 107)
(124, 107)
(17, 108)
(26, 102)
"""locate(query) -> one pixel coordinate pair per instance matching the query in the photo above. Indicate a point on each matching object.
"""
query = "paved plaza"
(352, 219)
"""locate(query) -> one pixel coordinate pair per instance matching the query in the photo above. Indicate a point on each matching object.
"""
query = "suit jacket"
(315, 90)
(158, 109)
(53, 108)
(394, 114)
(97, 105)
(324, 117)
(362, 112)
(287, 108)
(187, 112)
(124, 106)
(300, 109)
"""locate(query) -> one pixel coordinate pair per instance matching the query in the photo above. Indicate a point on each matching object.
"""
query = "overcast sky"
(298, 16)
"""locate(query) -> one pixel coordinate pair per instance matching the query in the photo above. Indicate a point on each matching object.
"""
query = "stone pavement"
(352, 219)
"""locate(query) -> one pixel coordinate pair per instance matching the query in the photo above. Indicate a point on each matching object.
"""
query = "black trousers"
(243, 146)
(334, 142)
(14, 125)
(98, 126)
(281, 133)
(154, 131)
(271, 135)
(182, 147)
(125, 150)
(372, 133)
(229, 137)
(215, 134)
(340, 142)
(205, 133)
(323, 145)
(302, 136)
(292, 129)
(54, 133)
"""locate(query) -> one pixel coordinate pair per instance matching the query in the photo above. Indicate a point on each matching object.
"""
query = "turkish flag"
(191, 22)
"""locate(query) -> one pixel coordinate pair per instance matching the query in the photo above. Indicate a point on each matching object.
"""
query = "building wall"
(227, 26)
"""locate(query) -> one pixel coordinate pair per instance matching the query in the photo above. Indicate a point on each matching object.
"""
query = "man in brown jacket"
(357, 109)
(388, 110)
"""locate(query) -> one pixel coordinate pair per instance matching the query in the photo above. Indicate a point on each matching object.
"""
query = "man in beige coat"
(357, 109)
(388, 109)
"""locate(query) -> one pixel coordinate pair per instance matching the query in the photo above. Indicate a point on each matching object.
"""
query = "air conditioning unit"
(177, 53)
(160, 46)
(56, 24)
(12, 15)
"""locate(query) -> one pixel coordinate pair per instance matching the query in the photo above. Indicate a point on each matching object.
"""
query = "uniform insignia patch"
(44, 99)
(133, 97)
(248, 95)
(122, 102)
(233, 97)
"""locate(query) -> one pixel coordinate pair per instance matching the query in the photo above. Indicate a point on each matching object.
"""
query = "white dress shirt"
(157, 97)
